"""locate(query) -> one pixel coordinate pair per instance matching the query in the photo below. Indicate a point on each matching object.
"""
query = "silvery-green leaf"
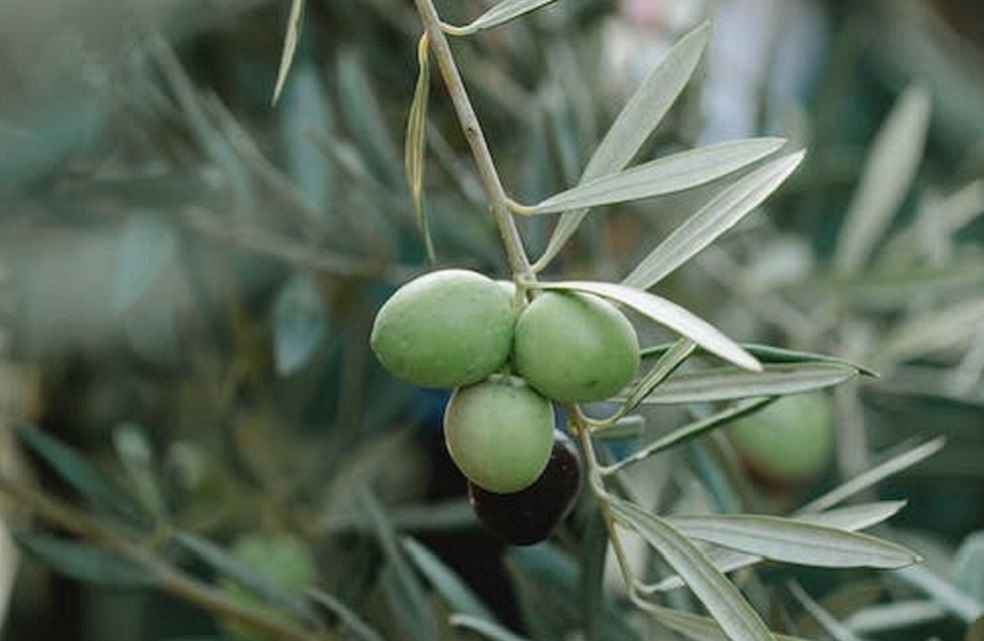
(85, 562)
(944, 592)
(968, 566)
(712, 220)
(666, 365)
(728, 383)
(769, 354)
(147, 247)
(364, 120)
(933, 331)
(666, 175)
(307, 115)
(669, 315)
(290, 45)
(895, 615)
(352, 621)
(416, 142)
(594, 553)
(721, 598)
(450, 586)
(687, 432)
(299, 321)
(888, 173)
(693, 626)
(486, 628)
(835, 628)
(795, 541)
(851, 518)
(874, 475)
(637, 120)
(503, 12)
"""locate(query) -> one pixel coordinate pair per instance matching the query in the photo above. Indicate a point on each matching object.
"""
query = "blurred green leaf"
(416, 142)
(299, 323)
(968, 566)
(85, 562)
(450, 586)
(486, 628)
(894, 616)
(721, 598)
(794, 541)
(364, 119)
(885, 181)
(501, 13)
(248, 578)
(290, 45)
(147, 247)
(81, 475)
(944, 592)
(932, 331)
(352, 621)
(827, 621)
(689, 431)
(307, 116)
(665, 175)
(712, 220)
(728, 383)
(594, 553)
(637, 120)
(668, 314)
(872, 476)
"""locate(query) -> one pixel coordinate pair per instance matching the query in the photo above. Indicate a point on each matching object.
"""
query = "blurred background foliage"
(189, 277)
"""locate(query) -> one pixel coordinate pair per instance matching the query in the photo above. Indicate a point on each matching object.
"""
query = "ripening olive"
(284, 561)
(789, 441)
(445, 329)
(531, 515)
(499, 433)
(575, 347)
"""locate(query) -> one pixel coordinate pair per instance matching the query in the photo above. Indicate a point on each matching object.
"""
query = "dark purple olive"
(530, 515)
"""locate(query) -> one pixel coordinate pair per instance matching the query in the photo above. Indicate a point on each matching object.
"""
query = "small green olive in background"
(574, 347)
(790, 441)
(283, 560)
(445, 329)
(499, 433)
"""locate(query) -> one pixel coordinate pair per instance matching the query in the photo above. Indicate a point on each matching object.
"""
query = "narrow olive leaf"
(662, 176)
(666, 365)
(669, 315)
(933, 331)
(852, 518)
(885, 180)
(835, 628)
(794, 541)
(246, 577)
(77, 472)
(944, 592)
(355, 625)
(968, 565)
(448, 584)
(894, 616)
(693, 626)
(299, 323)
(364, 120)
(486, 628)
(500, 14)
(711, 221)
(147, 248)
(721, 598)
(633, 126)
(416, 142)
(85, 562)
(687, 432)
(728, 383)
(290, 46)
(769, 354)
(876, 474)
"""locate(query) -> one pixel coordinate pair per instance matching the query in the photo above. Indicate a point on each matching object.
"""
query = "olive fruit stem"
(519, 262)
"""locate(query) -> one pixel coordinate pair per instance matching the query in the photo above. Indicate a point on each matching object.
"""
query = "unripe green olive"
(575, 347)
(790, 441)
(283, 560)
(445, 329)
(499, 433)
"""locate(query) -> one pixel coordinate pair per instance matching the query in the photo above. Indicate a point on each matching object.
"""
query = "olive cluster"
(459, 329)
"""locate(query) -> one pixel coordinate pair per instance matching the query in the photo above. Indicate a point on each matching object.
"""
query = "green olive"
(575, 347)
(283, 561)
(499, 433)
(445, 329)
(790, 441)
